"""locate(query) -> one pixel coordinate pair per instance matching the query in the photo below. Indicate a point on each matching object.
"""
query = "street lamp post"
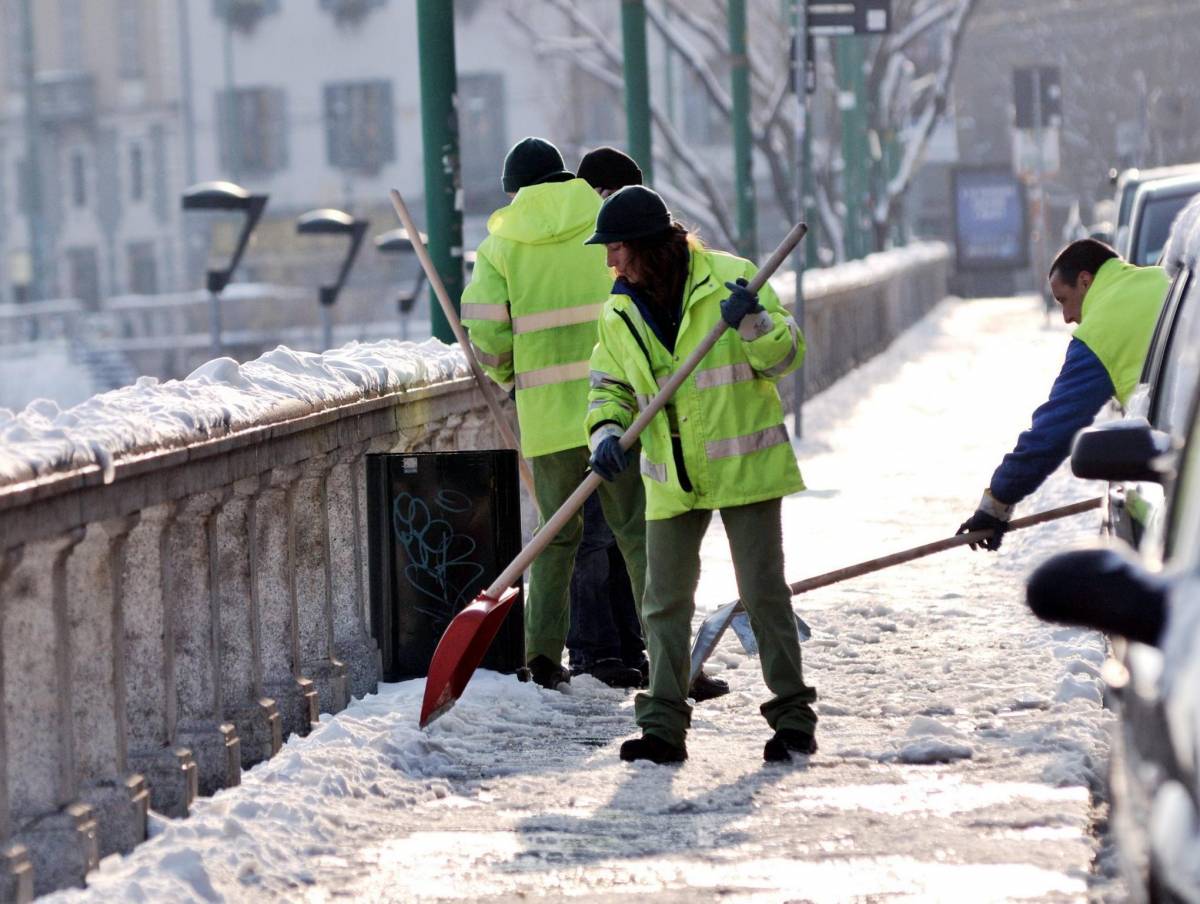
(328, 221)
(224, 196)
(397, 241)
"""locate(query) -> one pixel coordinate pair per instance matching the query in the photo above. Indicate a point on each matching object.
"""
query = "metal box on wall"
(441, 527)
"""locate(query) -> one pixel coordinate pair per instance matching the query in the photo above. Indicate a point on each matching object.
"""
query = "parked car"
(1155, 206)
(1127, 182)
(1171, 371)
(1150, 601)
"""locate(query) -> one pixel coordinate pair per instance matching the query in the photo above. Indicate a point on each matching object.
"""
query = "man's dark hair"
(1081, 256)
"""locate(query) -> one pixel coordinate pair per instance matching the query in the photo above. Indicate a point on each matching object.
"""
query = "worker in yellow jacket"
(531, 310)
(719, 444)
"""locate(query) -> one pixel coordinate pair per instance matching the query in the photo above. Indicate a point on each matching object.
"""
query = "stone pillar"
(246, 705)
(16, 872)
(274, 600)
(58, 831)
(347, 513)
(313, 583)
(95, 602)
(151, 709)
(191, 563)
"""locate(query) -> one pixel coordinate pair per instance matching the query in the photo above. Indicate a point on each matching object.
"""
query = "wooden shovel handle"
(486, 386)
(928, 549)
(550, 530)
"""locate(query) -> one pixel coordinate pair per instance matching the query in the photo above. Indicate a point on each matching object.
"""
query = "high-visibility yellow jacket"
(1117, 322)
(721, 441)
(532, 304)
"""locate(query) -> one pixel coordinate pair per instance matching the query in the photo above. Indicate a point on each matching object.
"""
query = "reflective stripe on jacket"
(532, 305)
(721, 441)
(1117, 322)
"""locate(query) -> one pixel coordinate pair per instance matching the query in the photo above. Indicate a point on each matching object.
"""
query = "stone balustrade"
(165, 630)
(168, 620)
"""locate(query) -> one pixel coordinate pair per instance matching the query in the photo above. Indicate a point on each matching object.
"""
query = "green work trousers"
(673, 552)
(548, 606)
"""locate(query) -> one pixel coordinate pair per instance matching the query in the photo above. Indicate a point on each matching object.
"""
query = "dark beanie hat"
(634, 212)
(530, 161)
(608, 168)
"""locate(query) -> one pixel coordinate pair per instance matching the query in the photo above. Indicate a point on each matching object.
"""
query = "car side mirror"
(1105, 589)
(1124, 450)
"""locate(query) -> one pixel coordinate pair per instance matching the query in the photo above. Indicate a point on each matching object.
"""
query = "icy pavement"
(958, 735)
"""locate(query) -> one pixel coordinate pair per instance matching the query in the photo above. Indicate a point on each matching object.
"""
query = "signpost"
(818, 18)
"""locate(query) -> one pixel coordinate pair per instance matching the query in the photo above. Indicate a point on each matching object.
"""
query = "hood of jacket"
(542, 214)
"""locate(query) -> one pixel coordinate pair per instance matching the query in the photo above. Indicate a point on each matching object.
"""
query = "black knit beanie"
(608, 168)
(531, 161)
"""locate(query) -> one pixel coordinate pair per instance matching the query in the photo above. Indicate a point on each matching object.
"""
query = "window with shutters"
(252, 125)
(360, 132)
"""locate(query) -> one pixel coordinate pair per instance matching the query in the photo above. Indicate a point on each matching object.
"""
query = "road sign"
(850, 17)
(990, 219)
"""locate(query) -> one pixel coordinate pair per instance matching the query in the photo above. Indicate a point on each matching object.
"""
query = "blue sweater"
(1079, 392)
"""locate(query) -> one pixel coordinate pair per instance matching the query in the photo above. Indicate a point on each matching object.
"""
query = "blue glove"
(610, 459)
(741, 301)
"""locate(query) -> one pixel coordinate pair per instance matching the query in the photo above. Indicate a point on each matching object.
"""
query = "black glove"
(991, 514)
(983, 521)
(741, 301)
(610, 459)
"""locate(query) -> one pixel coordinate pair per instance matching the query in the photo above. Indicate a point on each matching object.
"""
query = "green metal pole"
(851, 88)
(800, 65)
(637, 85)
(743, 148)
(439, 140)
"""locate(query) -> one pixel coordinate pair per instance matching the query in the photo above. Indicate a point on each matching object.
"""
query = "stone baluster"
(95, 614)
(151, 707)
(57, 829)
(191, 582)
(252, 712)
(347, 512)
(313, 583)
(16, 872)
(274, 600)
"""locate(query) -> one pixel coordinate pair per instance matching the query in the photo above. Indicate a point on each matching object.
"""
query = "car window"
(1152, 366)
(1154, 225)
(1180, 372)
(1183, 531)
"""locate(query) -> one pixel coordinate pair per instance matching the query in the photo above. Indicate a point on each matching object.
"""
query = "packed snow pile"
(874, 269)
(219, 398)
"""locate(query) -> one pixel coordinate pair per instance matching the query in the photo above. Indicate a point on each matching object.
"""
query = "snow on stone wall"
(218, 398)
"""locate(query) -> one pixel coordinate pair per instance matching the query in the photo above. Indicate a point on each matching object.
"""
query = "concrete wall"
(162, 632)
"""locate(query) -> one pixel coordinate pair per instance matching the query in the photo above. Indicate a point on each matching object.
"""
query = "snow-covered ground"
(959, 736)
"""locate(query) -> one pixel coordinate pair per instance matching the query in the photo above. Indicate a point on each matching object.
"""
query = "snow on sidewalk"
(958, 734)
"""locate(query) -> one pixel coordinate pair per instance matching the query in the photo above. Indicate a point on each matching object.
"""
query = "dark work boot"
(614, 673)
(786, 742)
(706, 687)
(656, 750)
(548, 674)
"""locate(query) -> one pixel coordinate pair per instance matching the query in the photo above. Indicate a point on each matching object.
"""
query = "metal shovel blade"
(713, 628)
(460, 651)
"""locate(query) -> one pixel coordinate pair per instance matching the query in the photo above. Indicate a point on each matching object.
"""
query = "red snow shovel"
(708, 635)
(471, 632)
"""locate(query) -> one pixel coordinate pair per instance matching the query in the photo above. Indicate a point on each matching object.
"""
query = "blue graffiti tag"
(439, 560)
